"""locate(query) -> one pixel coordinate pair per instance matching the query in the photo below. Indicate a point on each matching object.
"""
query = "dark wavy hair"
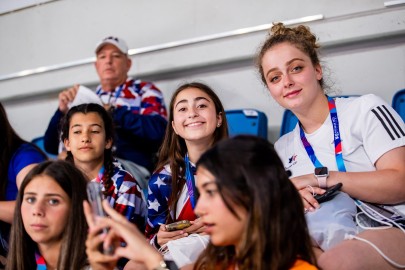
(10, 141)
(174, 148)
(109, 135)
(72, 255)
(249, 174)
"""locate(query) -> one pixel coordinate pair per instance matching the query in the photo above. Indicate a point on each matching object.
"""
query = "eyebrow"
(208, 183)
(196, 99)
(46, 195)
(92, 125)
(286, 64)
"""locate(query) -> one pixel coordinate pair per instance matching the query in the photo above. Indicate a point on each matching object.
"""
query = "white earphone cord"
(389, 224)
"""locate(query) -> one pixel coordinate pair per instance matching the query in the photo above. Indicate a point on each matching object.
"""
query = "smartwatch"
(321, 174)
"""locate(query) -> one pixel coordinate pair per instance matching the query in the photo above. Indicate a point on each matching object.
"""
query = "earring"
(219, 124)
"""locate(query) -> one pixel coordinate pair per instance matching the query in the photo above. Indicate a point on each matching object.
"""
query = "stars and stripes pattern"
(125, 195)
(159, 191)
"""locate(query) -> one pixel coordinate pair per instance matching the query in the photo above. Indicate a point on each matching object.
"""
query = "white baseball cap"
(117, 42)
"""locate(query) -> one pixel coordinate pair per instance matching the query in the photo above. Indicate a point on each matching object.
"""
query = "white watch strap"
(322, 181)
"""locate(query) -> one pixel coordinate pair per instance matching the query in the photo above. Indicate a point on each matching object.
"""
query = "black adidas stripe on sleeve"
(389, 123)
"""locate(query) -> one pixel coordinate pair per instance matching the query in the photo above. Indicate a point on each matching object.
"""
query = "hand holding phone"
(179, 225)
(95, 197)
(329, 194)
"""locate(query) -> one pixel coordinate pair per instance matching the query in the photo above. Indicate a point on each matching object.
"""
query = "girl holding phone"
(357, 141)
(239, 180)
(197, 121)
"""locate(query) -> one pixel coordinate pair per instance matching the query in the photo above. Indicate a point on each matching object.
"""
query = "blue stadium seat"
(289, 120)
(39, 141)
(247, 121)
(398, 103)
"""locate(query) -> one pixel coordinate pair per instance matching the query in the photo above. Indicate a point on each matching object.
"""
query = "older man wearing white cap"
(137, 107)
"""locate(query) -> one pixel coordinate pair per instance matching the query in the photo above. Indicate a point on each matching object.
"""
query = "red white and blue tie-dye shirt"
(159, 191)
(137, 96)
(41, 264)
(125, 195)
(140, 119)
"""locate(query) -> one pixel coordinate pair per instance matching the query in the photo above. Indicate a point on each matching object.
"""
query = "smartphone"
(179, 225)
(95, 197)
(386, 213)
(329, 194)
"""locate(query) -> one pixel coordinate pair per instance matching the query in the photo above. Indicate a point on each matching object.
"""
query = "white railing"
(164, 46)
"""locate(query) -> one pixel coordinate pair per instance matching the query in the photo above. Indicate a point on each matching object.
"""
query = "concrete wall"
(364, 49)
